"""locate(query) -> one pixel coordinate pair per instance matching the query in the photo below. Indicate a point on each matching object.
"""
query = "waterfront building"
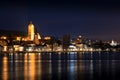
(37, 38)
(78, 43)
(113, 43)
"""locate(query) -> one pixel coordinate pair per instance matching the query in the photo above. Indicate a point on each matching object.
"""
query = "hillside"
(12, 33)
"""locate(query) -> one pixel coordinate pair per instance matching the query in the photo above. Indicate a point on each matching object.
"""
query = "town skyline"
(33, 41)
(59, 36)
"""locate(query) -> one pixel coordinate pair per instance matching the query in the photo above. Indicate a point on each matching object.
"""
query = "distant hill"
(12, 33)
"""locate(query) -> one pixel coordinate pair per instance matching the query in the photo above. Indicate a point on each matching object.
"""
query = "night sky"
(91, 19)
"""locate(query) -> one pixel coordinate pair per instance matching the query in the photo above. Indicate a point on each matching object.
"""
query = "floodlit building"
(31, 31)
(36, 38)
(113, 43)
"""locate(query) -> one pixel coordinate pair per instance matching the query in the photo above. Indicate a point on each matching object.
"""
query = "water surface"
(60, 66)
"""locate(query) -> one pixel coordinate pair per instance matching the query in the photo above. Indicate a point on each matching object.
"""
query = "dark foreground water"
(60, 66)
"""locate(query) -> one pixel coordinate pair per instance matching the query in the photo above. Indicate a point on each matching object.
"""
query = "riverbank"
(53, 51)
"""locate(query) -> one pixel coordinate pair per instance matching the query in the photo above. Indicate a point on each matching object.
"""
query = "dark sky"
(93, 19)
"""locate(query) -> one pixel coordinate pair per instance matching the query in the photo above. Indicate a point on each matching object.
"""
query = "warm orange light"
(31, 31)
(29, 71)
(25, 67)
(47, 38)
(5, 48)
(3, 37)
(16, 47)
(5, 68)
(18, 38)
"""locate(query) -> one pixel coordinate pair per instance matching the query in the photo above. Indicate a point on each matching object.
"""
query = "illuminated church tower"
(31, 31)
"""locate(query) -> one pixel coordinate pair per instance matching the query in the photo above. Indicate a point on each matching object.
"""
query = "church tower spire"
(31, 31)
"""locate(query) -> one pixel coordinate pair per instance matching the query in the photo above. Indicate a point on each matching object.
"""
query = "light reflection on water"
(5, 69)
(59, 66)
(29, 66)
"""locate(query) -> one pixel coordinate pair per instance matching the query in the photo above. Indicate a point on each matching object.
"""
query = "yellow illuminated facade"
(18, 38)
(39, 37)
(47, 38)
(31, 32)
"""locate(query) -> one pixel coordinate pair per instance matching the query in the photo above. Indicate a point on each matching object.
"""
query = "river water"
(60, 66)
